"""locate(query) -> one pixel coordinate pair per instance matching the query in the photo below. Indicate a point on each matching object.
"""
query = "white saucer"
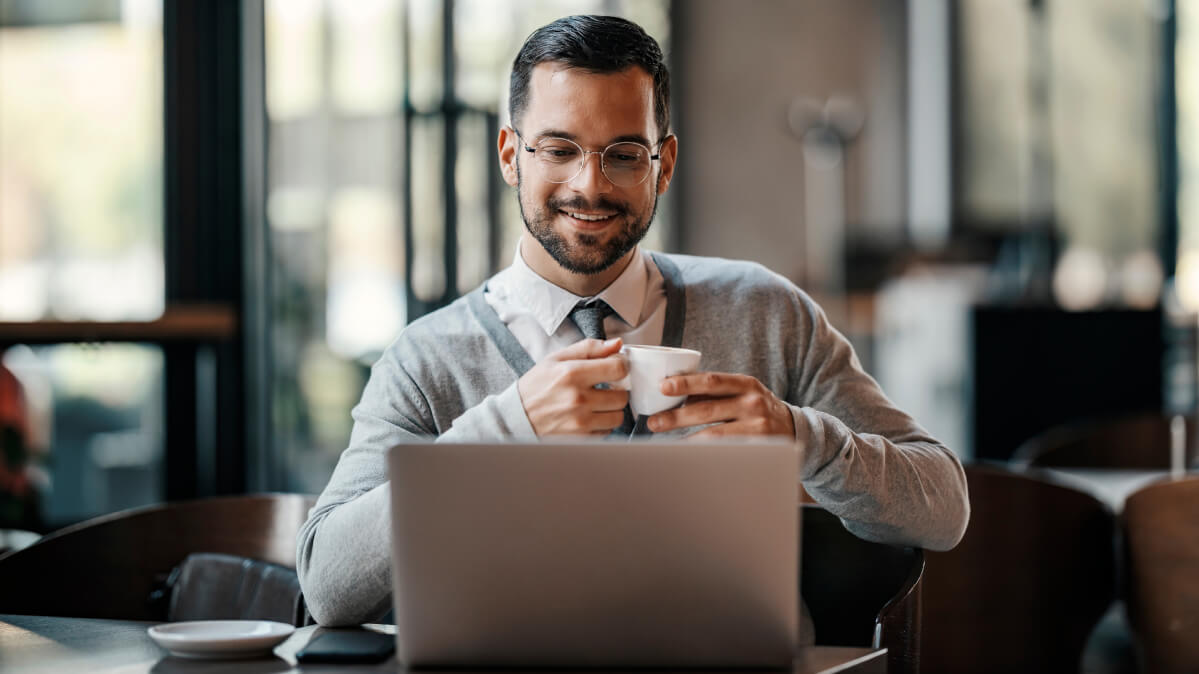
(220, 639)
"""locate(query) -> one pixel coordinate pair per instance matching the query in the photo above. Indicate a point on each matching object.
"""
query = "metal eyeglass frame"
(583, 157)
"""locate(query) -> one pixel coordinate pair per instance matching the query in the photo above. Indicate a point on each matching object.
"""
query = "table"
(1110, 485)
(33, 644)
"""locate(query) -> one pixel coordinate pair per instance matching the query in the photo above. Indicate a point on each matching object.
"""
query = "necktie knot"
(590, 318)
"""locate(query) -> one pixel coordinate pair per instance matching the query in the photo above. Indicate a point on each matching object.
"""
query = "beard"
(588, 254)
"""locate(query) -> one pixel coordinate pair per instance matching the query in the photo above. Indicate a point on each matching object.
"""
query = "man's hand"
(740, 404)
(559, 393)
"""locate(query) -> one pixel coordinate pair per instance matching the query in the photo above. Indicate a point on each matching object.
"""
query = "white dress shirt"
(537, 311)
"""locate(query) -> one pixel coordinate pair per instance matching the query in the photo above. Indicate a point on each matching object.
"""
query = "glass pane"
(476, 154)
(365, 304)
(81, 139)
(428, 208)
(1105, 57)
(424, 49)
(93, 420)
(295, 55)
(1186, 79)
(485, 39)
(993, 103)
(367, 75)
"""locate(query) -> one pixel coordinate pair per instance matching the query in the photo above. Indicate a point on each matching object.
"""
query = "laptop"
(596, 554)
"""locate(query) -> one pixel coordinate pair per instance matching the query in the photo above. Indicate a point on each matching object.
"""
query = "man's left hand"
(737, 403)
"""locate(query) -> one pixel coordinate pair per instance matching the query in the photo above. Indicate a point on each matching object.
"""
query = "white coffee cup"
(648, 366)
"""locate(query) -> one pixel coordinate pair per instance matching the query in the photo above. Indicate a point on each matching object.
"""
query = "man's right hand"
(559, 393)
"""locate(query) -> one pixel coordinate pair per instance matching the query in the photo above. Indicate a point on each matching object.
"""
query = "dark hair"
(597, 44)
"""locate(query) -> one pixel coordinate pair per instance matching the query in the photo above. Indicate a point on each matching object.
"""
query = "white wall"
(738, 68)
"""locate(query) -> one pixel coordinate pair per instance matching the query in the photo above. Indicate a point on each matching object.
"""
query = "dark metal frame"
(203, 242)
(262, 465)
(1167, 141)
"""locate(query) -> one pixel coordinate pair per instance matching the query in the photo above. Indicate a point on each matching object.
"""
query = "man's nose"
(591, 178)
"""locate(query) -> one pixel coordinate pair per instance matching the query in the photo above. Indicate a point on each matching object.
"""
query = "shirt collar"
(549, 305)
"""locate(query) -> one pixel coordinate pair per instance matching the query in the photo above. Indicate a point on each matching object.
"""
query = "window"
(1186, 78)
(81, 239)
(81, 161)
(1058, 140)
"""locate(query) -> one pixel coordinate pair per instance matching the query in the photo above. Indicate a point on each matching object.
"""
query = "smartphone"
(348, 646)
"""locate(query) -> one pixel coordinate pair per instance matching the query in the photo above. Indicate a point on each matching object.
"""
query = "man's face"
(588, 224)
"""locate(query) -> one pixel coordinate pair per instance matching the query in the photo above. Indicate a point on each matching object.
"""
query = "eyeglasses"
(625, 164)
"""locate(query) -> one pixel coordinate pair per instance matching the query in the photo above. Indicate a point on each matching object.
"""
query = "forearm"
(905, 490)
(342, 559)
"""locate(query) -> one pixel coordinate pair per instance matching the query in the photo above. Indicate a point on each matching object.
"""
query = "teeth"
(589, 218)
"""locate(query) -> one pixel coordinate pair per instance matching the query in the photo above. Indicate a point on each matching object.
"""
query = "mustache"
(581, 204)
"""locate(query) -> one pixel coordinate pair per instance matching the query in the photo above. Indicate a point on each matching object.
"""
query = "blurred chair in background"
(212, 586)
(121, 565)
(1161, 547)
(1030, 579)
(1135, 441)
(860, 593)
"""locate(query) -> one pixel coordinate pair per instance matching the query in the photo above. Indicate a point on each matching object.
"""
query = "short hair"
(596, 44)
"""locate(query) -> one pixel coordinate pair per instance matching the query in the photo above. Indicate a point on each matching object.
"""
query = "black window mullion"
(202, 236)
(450, 111)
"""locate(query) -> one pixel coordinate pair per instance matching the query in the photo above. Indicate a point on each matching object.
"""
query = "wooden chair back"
(860, 593)
(1027, 584)
(107, 567)
(1138, 441)
(1161, 548)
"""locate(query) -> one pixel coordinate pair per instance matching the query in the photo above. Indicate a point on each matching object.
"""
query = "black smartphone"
(348, 646)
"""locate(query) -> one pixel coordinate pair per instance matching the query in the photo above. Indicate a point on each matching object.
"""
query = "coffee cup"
(648, 366)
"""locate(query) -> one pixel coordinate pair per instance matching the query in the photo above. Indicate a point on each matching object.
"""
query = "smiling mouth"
(586, 217)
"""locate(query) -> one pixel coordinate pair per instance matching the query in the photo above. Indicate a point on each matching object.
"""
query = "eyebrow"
(630, 138)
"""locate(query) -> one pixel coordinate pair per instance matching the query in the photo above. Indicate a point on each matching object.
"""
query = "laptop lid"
(647, 554)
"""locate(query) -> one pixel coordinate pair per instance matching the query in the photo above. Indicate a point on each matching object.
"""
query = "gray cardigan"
(452, 375)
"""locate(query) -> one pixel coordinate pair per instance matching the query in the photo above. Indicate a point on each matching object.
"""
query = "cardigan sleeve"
(865, 460)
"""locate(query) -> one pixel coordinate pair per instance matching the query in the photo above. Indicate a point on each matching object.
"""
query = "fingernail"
(612, 341)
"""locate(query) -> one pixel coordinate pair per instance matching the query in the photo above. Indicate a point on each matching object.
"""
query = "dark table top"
(31, 644)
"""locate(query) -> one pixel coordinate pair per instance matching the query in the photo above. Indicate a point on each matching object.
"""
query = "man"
(589, 151)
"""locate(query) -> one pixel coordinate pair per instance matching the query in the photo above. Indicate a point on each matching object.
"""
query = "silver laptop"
(646, 554)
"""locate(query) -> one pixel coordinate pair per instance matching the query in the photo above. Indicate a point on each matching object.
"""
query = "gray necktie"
(590, 320)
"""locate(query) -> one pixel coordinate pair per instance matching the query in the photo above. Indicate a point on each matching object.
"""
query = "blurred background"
(214, 216)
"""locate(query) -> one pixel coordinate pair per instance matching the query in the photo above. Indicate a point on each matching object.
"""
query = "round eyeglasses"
(561, 160)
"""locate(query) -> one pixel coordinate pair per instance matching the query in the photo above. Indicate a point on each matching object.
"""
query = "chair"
(1136, 441)
(1161, 548)
(109, 566)
(1022, 591)
(860, 593)
(212, 586)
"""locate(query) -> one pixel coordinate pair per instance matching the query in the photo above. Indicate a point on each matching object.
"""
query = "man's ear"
(669, 153)
(506, 146)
